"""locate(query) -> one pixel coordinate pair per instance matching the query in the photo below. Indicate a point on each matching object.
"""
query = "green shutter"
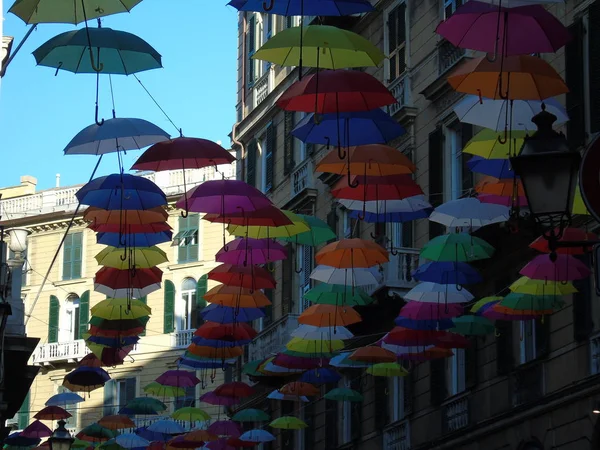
(201, 289)
(251, 163)
(144, 300)
(169, 315)
(68, 244)
(53, 311)
(188, 242)
(23, 414)
(84, 314)
(72, 256)
(270, 157)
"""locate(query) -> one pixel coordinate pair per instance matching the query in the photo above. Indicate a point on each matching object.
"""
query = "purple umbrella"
(36, 430)
(179, 378)
(481, 26)
(297, 362)
(565, 268)
(213, 399)
(225, 428)
(430, 311)
(251, 251)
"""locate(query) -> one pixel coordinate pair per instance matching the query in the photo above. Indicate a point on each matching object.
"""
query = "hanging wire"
(158, 105)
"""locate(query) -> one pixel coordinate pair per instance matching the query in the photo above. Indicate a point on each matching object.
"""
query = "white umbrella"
(401, 350)
(490, 113)
(469, 212)
(349, 277)
(125, 292)
(276, 395)
(410, 204)
(313, 333)
(429, 292)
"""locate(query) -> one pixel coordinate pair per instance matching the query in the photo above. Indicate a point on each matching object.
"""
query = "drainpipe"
(243, 102)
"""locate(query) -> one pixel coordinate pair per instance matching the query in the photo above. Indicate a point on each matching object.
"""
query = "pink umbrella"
(565, 268)
(36, 430)
(508, 31)
(179, 378)
(429, 311)
(242, 251)
(225, 428)
(213, 399)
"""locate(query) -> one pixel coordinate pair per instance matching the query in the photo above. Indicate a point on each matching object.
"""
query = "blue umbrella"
(497, 168)
(121, 192)
(226, 314)
(304, 7)
(167, 426)
(398, 217)
(447, 272)
(63, 399)
(441, 324)
(257, 435)
(354, 128)
(134, 239)
(131, 440)
(145, 433)
(320, 376)
(114, 342)
(217, 343)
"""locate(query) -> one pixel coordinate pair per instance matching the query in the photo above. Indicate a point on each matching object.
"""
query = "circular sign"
(589, 178)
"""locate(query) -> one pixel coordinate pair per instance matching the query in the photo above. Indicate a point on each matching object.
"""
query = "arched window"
(69, 320)
(186, 304)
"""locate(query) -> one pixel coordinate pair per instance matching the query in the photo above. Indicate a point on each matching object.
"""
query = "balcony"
(263, 87)
(69, 352)
(400, 89)
(456, 414)
(448, 56)
(273, 338)
(528, 383)
(397, 436)
(397, 273)
(182, 338)
(302, 177)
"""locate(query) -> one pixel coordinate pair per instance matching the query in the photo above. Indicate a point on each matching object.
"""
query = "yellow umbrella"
(288, 423)
(578, 205)
(526, 285)
(487, 145)
(298, 225)
(121, 308)
(314, 346)
(141, 257)
(160, 390)
(391, 369)
(190, 414)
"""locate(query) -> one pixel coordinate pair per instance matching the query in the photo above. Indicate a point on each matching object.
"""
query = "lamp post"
(18, 245)
(61, 439)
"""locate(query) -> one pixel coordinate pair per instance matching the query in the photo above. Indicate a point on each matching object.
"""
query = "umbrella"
(390, 187)
(565, 268)
(121, 283)
(226, 314)
(155, 227)
(328, 315)
(225, 428)
(297, 226)
(342, 361)
(18, 440)
(236, 297)
(497, 168)
(179, 378)
(314, 347)
(372, 354)
(429, 292)
(146, 402)
(322, 46)
(512, 78)
(80, 444)
(530, 286)
(251, 277)
(472, 325)
(336, 294)
(349, 128)
(502, 188)
(514, 3)
(469, 212)
(541, 244)
(120, 308)
(391, 369)
(63, 399)
(250, 415)
(350, 277)
(288, 423)
(140, 258)
(111, 444)
(47, 11)
(299, 388)
(370, 160)
(492, 114)
(86, 379)
(35, 430)
(95, 433)
(304, 7)
(257, 436)
(276, 395)
(447, 273)
(270, 216)
(115, 134)
(238, 443)
(120, 240)
(351, 253)
(457, 247)
(318, 234)
(332, 91)
(423, 324)
(489, 144)
(407, 337)
(504, 201)
(527, 302)
(118, 341)
(410, 204)
(117, 328)
(52, 413)
(116, 422)
(323, 333)
(430, 311)
(125, 218)
(510, 31)
(110, 356)
(166, 426)
(344, 395)
(320, 376)
(398, 217)
(191, 414)
(235, 332)
(121, 191)
(204, 363)
(194, 351)
(131, 440)
(253, 251)
(236, 389)
(213, 399)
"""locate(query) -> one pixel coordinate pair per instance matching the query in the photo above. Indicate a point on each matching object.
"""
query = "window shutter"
(144, 300)
(288, 142)
(287, 280)
(382, 398)
(594, 65)
(574, 77)
(436, 177)
(471, 365)
(332, 221)
(542, 337)
(53, 312)
(84, 313)
(130, 389)
(270, 157)
(67, 251)
(201, 290)
(23, 414)
(437, 381)
(268, 310)
(109, 398)
(504, 347)
(582, 307)
(77, 254)
(169, 304)
(251, 163)
(251, 48)
(466, 133)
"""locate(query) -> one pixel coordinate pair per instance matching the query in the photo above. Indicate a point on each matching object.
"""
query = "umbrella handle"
(341, 153)
(101, 122)
(504, 140)
(269, 6)
(123, 257)
(327, 145)
(97, 68)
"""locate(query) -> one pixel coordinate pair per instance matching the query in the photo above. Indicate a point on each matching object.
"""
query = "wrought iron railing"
(448, 56)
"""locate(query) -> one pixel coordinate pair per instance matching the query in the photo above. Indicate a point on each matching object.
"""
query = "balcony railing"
(448, 56)
(456, 414)
(397, 272)
(273, 338)
(400, 88)
(262, 87)
(72, 351)
(595, 354)
(397, 436)
(182, 338)
(528, 383)
(302, 177)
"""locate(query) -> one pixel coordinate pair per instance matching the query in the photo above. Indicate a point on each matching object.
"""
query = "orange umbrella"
(375, 159)
(372, 354)
(116, 422)
(329, 315)
(351, 253)
(503, 187)
(236, 297)
(130, 217)
(522, 78)
(215, 353)
(299, 388)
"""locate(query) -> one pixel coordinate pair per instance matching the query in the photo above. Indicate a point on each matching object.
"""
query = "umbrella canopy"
(372, 354)
(315, 333)
(565, 268)
(166, 426)
(148, 402)
(530, 286)
(318, 234)
(321, 375)
(503, 188)
(63, 399)
(270, 216)
(392, 217)
(47, 11)
(472, 325)
(407, 337)
(213, 399)
(410, 204)
(323, 46)
(390, 187)
(328, 316)
(120, 308)
(236, 297)
(125, 218)
(305, 7)
(231, 332)
(457, 247)
(297, 226)
(120, 240)
(372, 160)
(429, 292)
(179, 378)
(423, 324)
(430, 311)
(541, 244)
(257, 436)
(338, 295)
(17, 440)
(226, 314)
(487, 144)
(236, 389)
(510, 31)
(447, 273)
(225, 428)
(335, 91)
(469, 212)
(155, 227)
(131, 440)
(195, 350)
(96, 433)
(497, 168)
(342, 361)
(391, 369)
(344, 394)
(251, 251)
(121, 191)
(349, 277)
(527, 302)
(351, 253)
(36, 429)
(314, 347)
(288, 423)
(140, 258)
(251, 277)
(190, 414)
(116, 422)
(86, 379)
(52, 413)
(121, 283)
(299, 388)
(250, 415)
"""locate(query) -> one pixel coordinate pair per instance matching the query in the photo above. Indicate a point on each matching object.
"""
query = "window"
(71, 422)
(251, 49)
(299, 146)
(186, 239)
(72, 251)
(350, 226)
(268, 146)
(188, 400)
(344, 417)
(457, 177)
(527, 341)
(304, 264)
(450, 7)
(395, 398)
(117, 393)
(70, 320)
(186, 307)
(21, 419)
(395, 41)
(455, 373)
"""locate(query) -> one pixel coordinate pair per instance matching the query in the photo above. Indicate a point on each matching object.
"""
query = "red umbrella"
(120, 283)
(52, 413)
(235, 389)
(226, 332)
(154, 227)
(266, 217)
(330, 91)
(90, 360)
(115, 356)
(236, 442)
(402, 187)
(251, 277)
(569, 234)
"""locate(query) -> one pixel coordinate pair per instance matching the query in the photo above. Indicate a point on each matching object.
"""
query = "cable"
(159, 107)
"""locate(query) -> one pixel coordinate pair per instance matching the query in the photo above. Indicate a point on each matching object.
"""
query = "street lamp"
(61, 439)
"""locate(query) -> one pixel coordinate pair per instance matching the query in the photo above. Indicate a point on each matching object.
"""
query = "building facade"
(58, 310)
(534, 385)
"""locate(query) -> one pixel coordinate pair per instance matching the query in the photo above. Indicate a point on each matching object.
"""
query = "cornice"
(54, 226)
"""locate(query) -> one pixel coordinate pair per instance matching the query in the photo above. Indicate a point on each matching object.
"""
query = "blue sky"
(40, 113)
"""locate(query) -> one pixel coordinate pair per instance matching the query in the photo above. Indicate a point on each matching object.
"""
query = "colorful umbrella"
(372, 354)
(444, 272)
(251, 277)
(116, 422)
(121, 283)
(489, 144)
(140, 258)
(345, 394)
(338, 295)
(429, 292)
(318, 234)
(526, 285)
(497, 168)
(45, 11)
(63, 399)
(423, 324)
(328, 315)
(86, 379)
(410, 204)
(250, 415)
(134, 239)
(236, 297)
(288, 423)
(121, 191)
(299, 388)
(304, 7)
(527, 302)
(314, 347)
(430, 311)
(236, 389)
(390, 187)
(268, 217)
(226, 314)
(148, 402)
(95, 433)
(155, 227)
(234, 332)
(194, 350)
(36, 429)
(391, 369)
(324, 333)
(120, 308)
(351, 253)
(370, 160)
(131, 440)
(565, 268)
(469, 212)
(457, 247)
(178, 378)
(257, 436)
(253, 251)
(343, 361)
(297, 226)
(225, 428)
(503, 188)
(190, 414)
(392, 217)
(166, 426)
(541, 244)
(320, 375)
(124, 218)
(213, 399)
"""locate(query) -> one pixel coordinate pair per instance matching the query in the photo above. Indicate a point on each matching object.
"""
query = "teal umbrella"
(344, 395)
(472, 325)
(457, 247)
(250, 415)
(318, 234)
(338, 295)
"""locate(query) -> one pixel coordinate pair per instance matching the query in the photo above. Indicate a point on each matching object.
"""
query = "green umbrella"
(338, 295)
(344, 395)
(472, 326)
(319, 233)
(484, 301)
(526, 302)
(145, 403)
(251, 368)
(250, 415)
(96, 433)
(457, 247)
(80, 444)
(321, 354)
(68, 11)
(387, 370)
